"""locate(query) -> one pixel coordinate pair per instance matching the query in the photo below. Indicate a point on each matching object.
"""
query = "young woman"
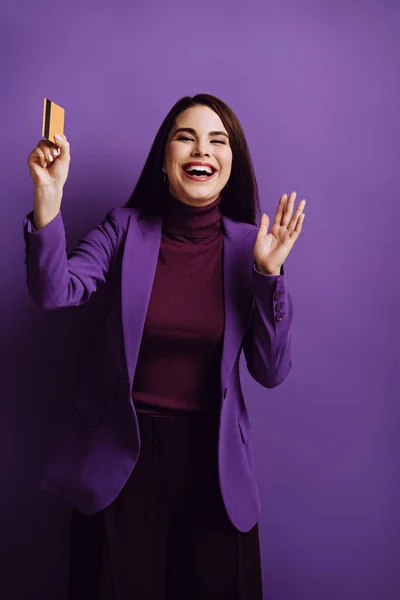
(158, 445)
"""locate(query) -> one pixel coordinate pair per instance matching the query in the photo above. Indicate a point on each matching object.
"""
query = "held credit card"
(53, 120)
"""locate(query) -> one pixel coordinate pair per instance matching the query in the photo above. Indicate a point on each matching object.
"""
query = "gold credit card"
(53, 120)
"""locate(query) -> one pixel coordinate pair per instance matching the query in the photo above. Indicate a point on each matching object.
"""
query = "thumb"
(264, 224)
(62, 143)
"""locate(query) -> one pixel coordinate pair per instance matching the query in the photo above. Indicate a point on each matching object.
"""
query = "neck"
(194, 222)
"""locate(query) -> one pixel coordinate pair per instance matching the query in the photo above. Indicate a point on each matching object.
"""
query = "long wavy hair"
(240, 200)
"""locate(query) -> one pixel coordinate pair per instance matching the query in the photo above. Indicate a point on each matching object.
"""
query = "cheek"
(227, 166)
(173, 165)
(171, 156)
(226, 160)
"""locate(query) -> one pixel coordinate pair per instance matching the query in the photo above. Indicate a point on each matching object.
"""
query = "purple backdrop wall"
(316, 87)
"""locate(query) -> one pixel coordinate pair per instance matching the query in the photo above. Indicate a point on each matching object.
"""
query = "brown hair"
(240, 199)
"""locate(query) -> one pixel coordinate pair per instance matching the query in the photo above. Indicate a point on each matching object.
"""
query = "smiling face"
(198, 156)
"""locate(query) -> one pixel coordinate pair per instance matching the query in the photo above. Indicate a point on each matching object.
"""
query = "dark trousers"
(167, 535)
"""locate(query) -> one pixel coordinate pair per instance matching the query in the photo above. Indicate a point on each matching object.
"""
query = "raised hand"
(272, 249)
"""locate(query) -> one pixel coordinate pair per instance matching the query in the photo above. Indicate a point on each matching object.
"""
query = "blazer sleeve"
(56, 279)
(267, 343)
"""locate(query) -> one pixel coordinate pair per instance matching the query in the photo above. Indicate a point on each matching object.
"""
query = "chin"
(201, 193)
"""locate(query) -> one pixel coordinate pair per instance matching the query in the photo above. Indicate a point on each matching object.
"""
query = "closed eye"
(185, 138)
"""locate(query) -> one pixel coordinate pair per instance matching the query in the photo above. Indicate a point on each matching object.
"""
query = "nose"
(200, 149)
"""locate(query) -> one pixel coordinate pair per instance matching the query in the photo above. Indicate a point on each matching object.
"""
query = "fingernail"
(54, 151)
(58, 137)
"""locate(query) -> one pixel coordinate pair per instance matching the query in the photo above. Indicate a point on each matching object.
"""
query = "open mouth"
(199, 172)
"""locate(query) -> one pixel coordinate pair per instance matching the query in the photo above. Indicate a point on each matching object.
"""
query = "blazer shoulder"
(119, 216)
(126, 211)
(250, 232)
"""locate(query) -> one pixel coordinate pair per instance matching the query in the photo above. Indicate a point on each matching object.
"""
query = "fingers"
(46, 151)
(41, 156)
(49, 150)
(297, 230)
(287, 213)
(279, 211)
(298, 214)
(285, 210)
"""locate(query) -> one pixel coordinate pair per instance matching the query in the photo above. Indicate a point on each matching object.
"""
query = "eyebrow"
(193, 131)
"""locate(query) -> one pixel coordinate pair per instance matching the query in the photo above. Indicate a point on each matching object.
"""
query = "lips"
(198, 163)
(199, 178)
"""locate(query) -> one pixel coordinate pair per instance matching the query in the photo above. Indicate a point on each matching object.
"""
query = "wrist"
(49, 190)
(264, 271)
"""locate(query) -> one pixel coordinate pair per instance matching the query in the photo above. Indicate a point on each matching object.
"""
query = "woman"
(159, 442)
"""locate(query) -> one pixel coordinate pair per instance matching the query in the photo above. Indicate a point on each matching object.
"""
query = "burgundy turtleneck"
(179, 361)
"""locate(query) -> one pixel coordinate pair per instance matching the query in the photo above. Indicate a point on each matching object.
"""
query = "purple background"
(315, 85)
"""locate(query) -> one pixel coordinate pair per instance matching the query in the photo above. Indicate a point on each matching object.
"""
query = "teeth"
(198, 168)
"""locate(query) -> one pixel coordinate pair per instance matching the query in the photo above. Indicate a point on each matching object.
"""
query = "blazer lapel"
(238, 294)
(139, 264)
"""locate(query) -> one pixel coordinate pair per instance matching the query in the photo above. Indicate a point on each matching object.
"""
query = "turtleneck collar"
(194, 223)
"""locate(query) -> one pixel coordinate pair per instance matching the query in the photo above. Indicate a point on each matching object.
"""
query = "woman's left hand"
(272, 249)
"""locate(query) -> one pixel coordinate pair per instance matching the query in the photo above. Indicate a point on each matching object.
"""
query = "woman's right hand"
(49, 164)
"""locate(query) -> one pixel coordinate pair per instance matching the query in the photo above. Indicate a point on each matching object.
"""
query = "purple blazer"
(100, 442)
